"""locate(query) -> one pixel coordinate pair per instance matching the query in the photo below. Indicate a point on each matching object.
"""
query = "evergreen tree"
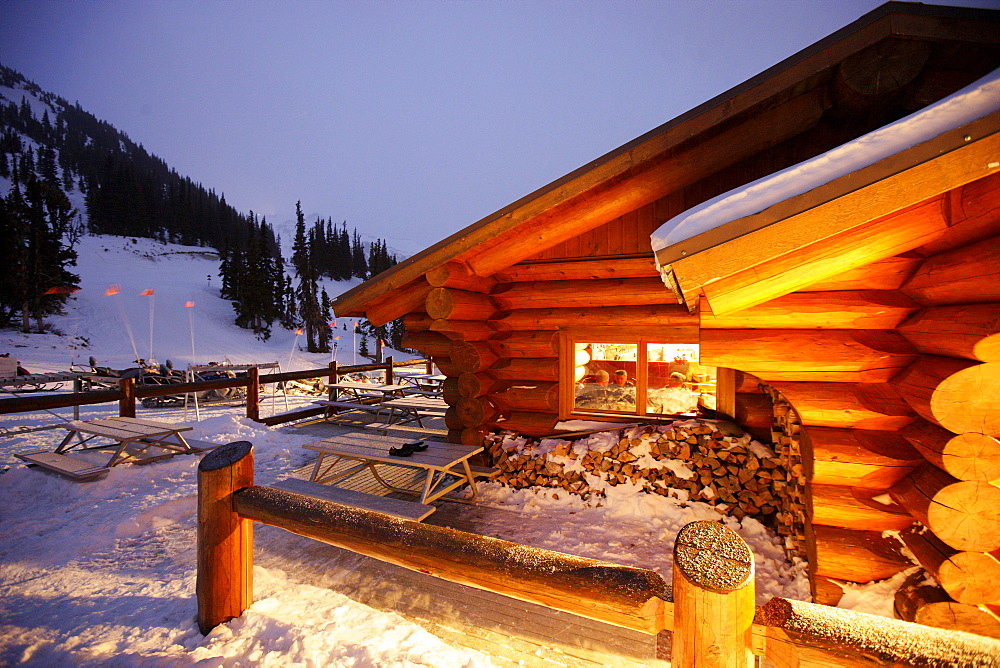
(36, 255)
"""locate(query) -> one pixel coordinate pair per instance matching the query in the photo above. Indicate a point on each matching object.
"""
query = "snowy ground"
(102, 573)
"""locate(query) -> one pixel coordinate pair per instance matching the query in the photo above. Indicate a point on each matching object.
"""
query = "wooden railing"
(709, 610)
(128, 392)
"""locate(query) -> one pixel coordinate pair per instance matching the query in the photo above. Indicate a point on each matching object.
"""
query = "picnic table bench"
(405, 510)
(129, 437)
(445, 466)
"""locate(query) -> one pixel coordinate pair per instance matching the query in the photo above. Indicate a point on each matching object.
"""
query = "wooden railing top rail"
(39, 402)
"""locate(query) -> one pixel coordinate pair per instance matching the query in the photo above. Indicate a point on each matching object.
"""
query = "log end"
(224, 456)
(713, 557)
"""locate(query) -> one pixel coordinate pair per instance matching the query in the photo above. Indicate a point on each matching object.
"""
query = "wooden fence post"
(388, 370)
(253, 394)
(713, 598)
(225, 540)
(332, 380)
(126, 405)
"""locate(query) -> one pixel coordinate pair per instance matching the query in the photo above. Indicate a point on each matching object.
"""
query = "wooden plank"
(404, 510)
(582, 293)
(72, 467)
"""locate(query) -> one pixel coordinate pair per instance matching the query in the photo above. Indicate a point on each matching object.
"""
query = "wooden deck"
(511, 632)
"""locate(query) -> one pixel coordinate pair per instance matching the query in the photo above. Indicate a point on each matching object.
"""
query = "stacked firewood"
(786, 432)
(691, 460)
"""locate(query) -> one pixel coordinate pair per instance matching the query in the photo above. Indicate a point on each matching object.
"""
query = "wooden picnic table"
(405, 410)
(129, 436)
(446, 465)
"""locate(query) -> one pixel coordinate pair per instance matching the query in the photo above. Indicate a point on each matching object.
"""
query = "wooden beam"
(842, 309)
(526, 344)
(583, 269)
(646, 184)
(673, 321)
(409, 298)
(450, 304)
(967, 275)
(848, 405)
(970, 456)
(799, 354)
(856, 556)
(610, 293)
(969, 331)
(527, 423)
(463, 330)
(866, 216)
(854, 508)
(859, 458)
(458, 276)
(628, 597)
(888, 274)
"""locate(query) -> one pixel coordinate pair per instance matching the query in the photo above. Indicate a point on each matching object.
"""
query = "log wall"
(866, 383)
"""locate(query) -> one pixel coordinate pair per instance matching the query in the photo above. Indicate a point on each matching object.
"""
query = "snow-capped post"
(253, 393)
(332, 380)
(713, 597)
(126, 404)
(225, 540)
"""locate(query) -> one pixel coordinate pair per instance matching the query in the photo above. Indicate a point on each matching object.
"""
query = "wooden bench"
(71, 467)
(405, 510)
(386, 426)
(484, 472)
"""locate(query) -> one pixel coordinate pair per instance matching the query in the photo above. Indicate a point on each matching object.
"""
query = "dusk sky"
(409, 120)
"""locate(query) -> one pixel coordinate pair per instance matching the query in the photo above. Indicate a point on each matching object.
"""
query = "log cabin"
(851, 320)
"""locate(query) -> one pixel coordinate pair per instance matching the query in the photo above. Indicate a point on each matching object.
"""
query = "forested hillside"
(64, 172)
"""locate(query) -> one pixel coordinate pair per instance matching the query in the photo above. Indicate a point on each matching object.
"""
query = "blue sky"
(410, 120)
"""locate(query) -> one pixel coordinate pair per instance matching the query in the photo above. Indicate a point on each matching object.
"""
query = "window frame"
(568, 340)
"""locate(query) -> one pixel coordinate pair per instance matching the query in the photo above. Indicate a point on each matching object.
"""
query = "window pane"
(671, 372)
(605, 376)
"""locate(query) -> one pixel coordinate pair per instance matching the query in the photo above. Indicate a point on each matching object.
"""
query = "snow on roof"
(971, 103)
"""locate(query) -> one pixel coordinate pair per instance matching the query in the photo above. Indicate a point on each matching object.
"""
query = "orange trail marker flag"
(146, 293)
(112, 290)
(188, 304)
(59, 290)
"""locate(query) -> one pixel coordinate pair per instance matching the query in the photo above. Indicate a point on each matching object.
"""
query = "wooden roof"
(759, 113)
(860, 218)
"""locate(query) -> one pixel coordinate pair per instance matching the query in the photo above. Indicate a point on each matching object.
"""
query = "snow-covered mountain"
(116, 328)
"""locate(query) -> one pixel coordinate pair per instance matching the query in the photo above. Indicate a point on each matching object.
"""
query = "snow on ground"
(103, 572)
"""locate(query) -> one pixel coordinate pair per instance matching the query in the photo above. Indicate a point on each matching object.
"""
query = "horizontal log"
(542, 396)
(453, 420)
(450, 304)
(969, 331)
(463, 330)
(919, 382)
(966, 275)
(888, 274)
(915, 594)
(589, 268)
(396, 304)
(856, 556)
(628, 597)
(429, 343)
(474, 412)
(848, 405)
(799, 354)
(963, 514)
(954, 616)
(458, 275)
(608, 293)
(536, 368)
(847, 309)
(674, 321)
(417, 321)
(860, 458)
(967, 577)
(968, 456)
(754, 410)
(26, 404)
(972, 214)
(449, 390)
(477, 384)
(445, 366)
(855, 638)
(472, 356)
(528, 423)
(526, 344)
(855, 509)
